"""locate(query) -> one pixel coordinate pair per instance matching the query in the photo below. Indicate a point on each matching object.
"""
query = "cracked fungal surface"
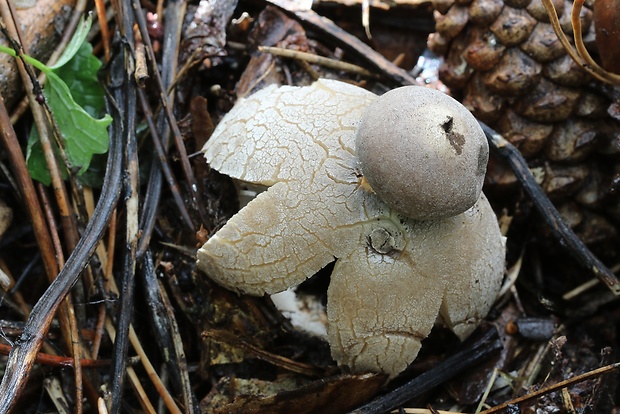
(393, 276)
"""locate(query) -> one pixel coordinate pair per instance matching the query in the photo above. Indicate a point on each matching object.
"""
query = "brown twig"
(163, 164)
(69, 224)
(143, 398)
(78, 12)
(51, 222)
(558, 226)
(28, 193)
(165, 103)
(23, 354)
(606, 76)
(150, 370)
(551, 388)
(103, 26)
(75, 339)
(581, 55)
(319, 60)
(126, 21)
(359, 48)
(146, 363)
(59, 361)
(108, 261)
(277, 360)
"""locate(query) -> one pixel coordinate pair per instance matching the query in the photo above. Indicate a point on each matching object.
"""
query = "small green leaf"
(79, 37)
(75, 98)
(80, 75)
(83, 135)
(36, 160)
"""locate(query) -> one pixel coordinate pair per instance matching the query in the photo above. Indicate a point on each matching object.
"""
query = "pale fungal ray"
(391, 301)
(286, 133)
(466, 300)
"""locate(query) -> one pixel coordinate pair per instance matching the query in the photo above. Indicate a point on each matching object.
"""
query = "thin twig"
(131, 373)
(165, 167)
(68, 221)
(175, 11)
(581, 55)
(28, 193)
(179, 353)
(51, 222)
(558, 227)
(319, 60)
(126, 21)
(59, 361)
(144, 360)
(487, 390)
(103, 26)
(581, 47)
(146, 363)
(166, 331)
(73, 328)
(163, 98)
(24, 352)
(458, 362)
(78, 12)
(362, 50)
(277, 360)
(551, 388)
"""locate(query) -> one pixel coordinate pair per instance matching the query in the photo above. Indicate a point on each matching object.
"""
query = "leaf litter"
(261, 363)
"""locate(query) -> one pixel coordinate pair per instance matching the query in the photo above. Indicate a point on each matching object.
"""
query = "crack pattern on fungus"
(392, 276)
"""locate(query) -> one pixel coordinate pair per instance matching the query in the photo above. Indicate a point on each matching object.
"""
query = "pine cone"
(505, 62)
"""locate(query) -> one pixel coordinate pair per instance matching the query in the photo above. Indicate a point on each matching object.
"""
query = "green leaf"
(36, 160)
(83, 135)
(79, 38)
(75, 97)
(80, 75)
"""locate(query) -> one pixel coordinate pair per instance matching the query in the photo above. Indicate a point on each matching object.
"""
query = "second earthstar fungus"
(395, 276)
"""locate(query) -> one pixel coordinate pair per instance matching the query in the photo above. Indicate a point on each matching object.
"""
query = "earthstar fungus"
(394, 276)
